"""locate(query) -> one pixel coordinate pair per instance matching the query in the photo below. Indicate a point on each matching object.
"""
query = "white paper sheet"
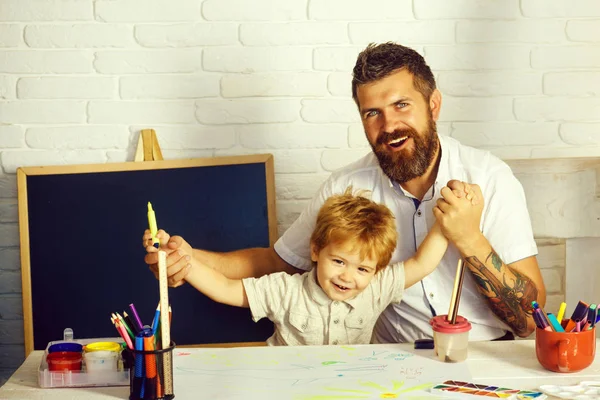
(310, 373)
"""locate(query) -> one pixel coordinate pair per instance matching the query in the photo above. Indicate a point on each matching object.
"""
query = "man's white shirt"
(505, 222)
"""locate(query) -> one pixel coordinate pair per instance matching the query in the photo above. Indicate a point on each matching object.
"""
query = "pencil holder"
(150, 373)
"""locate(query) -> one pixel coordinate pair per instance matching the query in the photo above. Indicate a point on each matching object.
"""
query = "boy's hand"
(179, 255)
(464, 189)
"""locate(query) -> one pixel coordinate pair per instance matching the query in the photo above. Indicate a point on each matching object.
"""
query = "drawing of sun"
(370, 390)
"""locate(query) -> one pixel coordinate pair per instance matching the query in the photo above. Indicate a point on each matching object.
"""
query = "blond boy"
(338, 301)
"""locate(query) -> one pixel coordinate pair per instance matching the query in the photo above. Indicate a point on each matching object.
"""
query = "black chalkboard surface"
(81, 248)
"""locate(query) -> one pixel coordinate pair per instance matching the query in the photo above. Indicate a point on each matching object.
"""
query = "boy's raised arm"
(237, 264)
(217, 286)
(428, 256)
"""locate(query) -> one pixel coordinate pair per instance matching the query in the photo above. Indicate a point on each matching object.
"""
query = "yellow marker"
(153, 226)
(561, 312)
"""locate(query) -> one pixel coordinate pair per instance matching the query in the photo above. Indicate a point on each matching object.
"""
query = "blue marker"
(139, 375)
(155, 320)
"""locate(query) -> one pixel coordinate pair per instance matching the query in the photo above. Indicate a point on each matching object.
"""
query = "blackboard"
(81, 248)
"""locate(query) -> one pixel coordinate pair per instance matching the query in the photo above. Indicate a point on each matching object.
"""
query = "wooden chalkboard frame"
(24, 172)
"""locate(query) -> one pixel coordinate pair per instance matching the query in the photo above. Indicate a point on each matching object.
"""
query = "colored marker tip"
(156, 245)
(149, 206)
(534, 304)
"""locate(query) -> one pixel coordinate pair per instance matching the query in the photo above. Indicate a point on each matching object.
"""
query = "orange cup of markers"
(565, 351)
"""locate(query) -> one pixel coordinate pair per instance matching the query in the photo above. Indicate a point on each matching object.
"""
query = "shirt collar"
(443, 175)
(315, 291)
(318, 295)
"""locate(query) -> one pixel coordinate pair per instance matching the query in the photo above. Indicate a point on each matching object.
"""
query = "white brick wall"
(79, 36)
(47, 10)
(168, 87)
(11, 34)
(148, 62)
(460, 9)
(274, 84)
(45, 62)
(77, 137)
(136, 11)
(293, 33)
(257, 59)
(8, 85)
(58, 87)
(80, 78)
(356, 10)
(186, 35)
(257, 10)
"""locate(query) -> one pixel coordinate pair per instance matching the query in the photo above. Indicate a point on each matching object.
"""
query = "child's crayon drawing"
(310, 373)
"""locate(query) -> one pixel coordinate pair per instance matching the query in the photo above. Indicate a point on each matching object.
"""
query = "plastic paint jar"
(64, 361)
(101, 360)
(66, 346)
(450, 341)
(102, 346)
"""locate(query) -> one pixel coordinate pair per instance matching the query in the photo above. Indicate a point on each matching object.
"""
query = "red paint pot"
(64, 361)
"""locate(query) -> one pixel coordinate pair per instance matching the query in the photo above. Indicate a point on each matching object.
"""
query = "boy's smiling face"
(341, 272)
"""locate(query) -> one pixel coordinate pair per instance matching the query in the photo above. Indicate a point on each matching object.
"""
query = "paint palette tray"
(587, 390)
(462, 389)
(82, 378)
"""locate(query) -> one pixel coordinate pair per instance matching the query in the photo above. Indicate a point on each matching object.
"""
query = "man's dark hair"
(378, 61)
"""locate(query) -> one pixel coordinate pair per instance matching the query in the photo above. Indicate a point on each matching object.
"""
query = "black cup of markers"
(150, 373)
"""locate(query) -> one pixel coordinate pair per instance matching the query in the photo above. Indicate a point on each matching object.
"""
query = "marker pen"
(554, 323)
(152, 225)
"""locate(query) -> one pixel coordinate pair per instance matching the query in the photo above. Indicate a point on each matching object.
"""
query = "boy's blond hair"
(353, 217)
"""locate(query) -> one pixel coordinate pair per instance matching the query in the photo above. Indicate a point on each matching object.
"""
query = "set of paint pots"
(101, 356)
(70, 356)
(65, 356)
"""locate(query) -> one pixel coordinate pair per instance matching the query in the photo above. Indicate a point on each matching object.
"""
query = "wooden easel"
(148, 148)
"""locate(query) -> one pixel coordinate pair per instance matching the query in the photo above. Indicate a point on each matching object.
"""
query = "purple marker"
(542, 323)
(580, 312)
(536, 319)
(136, 318)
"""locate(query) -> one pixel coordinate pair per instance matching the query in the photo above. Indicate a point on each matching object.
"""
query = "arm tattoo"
(496, 261)
(510, 299)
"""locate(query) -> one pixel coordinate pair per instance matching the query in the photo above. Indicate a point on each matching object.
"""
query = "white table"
(509, 363)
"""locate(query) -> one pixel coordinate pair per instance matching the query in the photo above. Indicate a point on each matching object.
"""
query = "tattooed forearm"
(509, 298)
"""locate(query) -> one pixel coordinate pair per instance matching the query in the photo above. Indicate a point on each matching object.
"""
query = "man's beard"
(401, 166)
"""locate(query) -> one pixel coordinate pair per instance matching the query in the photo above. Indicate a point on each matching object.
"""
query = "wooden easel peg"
(148, 148)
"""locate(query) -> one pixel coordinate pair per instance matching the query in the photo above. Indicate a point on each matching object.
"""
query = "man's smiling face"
(399, 125)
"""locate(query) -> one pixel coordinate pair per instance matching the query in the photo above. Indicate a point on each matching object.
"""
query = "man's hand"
(459, 217)
(179, 255)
